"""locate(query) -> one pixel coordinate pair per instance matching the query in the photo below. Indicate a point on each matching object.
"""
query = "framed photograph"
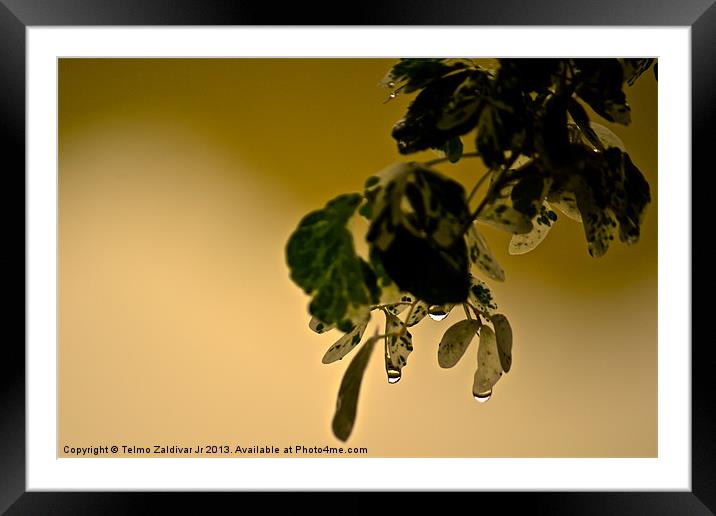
(249, 234)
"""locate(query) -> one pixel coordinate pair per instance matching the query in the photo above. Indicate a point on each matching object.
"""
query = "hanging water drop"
(437, 313)
(482, 397)
(393, 94)
(391, 84)
(393, 375)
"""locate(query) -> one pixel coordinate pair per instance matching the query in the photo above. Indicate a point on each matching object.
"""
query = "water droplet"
(391, 84)
(437, 313)
(393, 95)
(393, 375)
(482, 397)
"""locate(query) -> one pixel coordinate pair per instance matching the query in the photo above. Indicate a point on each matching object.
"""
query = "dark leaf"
(600, 86)
(580, 117)
(634, 68)
(439, 113)
(416, 233)
(503, 335)
(417, 73)
(529, 75)
(453, 149)
(347, 401)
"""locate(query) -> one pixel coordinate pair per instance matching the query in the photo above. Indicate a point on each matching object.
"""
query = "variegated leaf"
(319, 326)
(418, 313)
(480, 296)
(398, 345)
(489, 370)
(566, 202)
(503, 335)
(401, 305)
(480, 254)
(455, 341)
(345, 344)
(541, 224)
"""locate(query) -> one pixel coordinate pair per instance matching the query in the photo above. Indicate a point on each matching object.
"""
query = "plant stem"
(407, 318)
(442, 160)
(478, 185)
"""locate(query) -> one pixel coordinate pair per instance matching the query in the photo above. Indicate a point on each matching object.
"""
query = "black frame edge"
(12, 364)
(16, 14)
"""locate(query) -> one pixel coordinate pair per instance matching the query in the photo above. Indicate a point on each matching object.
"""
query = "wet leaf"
(455, 341)
(489, 370)
(345, 344)
(398, 345)
(347, 401)
(503, 336)
(480, 254)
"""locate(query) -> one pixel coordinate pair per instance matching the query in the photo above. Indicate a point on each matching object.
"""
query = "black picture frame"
(16, 15)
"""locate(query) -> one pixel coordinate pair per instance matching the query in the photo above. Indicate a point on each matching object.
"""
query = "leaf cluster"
(529, 125)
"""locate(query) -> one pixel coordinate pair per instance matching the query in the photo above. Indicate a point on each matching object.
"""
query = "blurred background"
(180, 181)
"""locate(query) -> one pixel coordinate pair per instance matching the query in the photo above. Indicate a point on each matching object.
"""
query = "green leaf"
(416, 232)
(455, 342)
(480, 254)
(541, 224)
(398, 345)
(347, 401)
(481, 296)
(503, 335)
(489, 370)
(323, 261)
(345, 344)
(319, 326)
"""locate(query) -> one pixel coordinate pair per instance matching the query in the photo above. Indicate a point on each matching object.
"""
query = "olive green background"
(180, 181)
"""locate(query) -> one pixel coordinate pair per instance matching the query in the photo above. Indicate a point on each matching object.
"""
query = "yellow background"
(179, 184)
